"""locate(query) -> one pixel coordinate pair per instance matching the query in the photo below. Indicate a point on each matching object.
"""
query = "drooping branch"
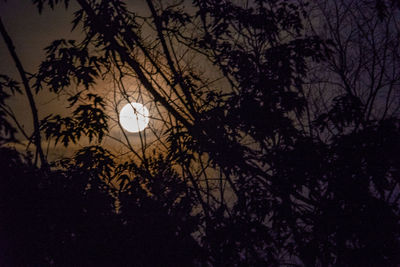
(28, 91)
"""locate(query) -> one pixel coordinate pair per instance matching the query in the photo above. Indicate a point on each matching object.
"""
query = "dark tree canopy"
(275, 138)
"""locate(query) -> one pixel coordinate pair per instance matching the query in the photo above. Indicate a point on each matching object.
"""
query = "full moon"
(134, 117)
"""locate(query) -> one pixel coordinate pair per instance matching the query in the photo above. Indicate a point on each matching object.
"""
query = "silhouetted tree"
(263, 162)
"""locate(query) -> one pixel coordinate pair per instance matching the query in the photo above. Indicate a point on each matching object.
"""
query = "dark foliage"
(68, 217)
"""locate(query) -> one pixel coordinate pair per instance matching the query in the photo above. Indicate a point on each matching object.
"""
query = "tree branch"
(28, 91)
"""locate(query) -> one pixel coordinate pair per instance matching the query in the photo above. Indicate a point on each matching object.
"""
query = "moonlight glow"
(134, 117)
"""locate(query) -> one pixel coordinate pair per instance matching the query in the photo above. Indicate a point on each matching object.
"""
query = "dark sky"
(30, 33)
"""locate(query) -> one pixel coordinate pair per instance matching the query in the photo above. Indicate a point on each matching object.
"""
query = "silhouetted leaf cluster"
(87, 120)
(68, 217)
(8, 87)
